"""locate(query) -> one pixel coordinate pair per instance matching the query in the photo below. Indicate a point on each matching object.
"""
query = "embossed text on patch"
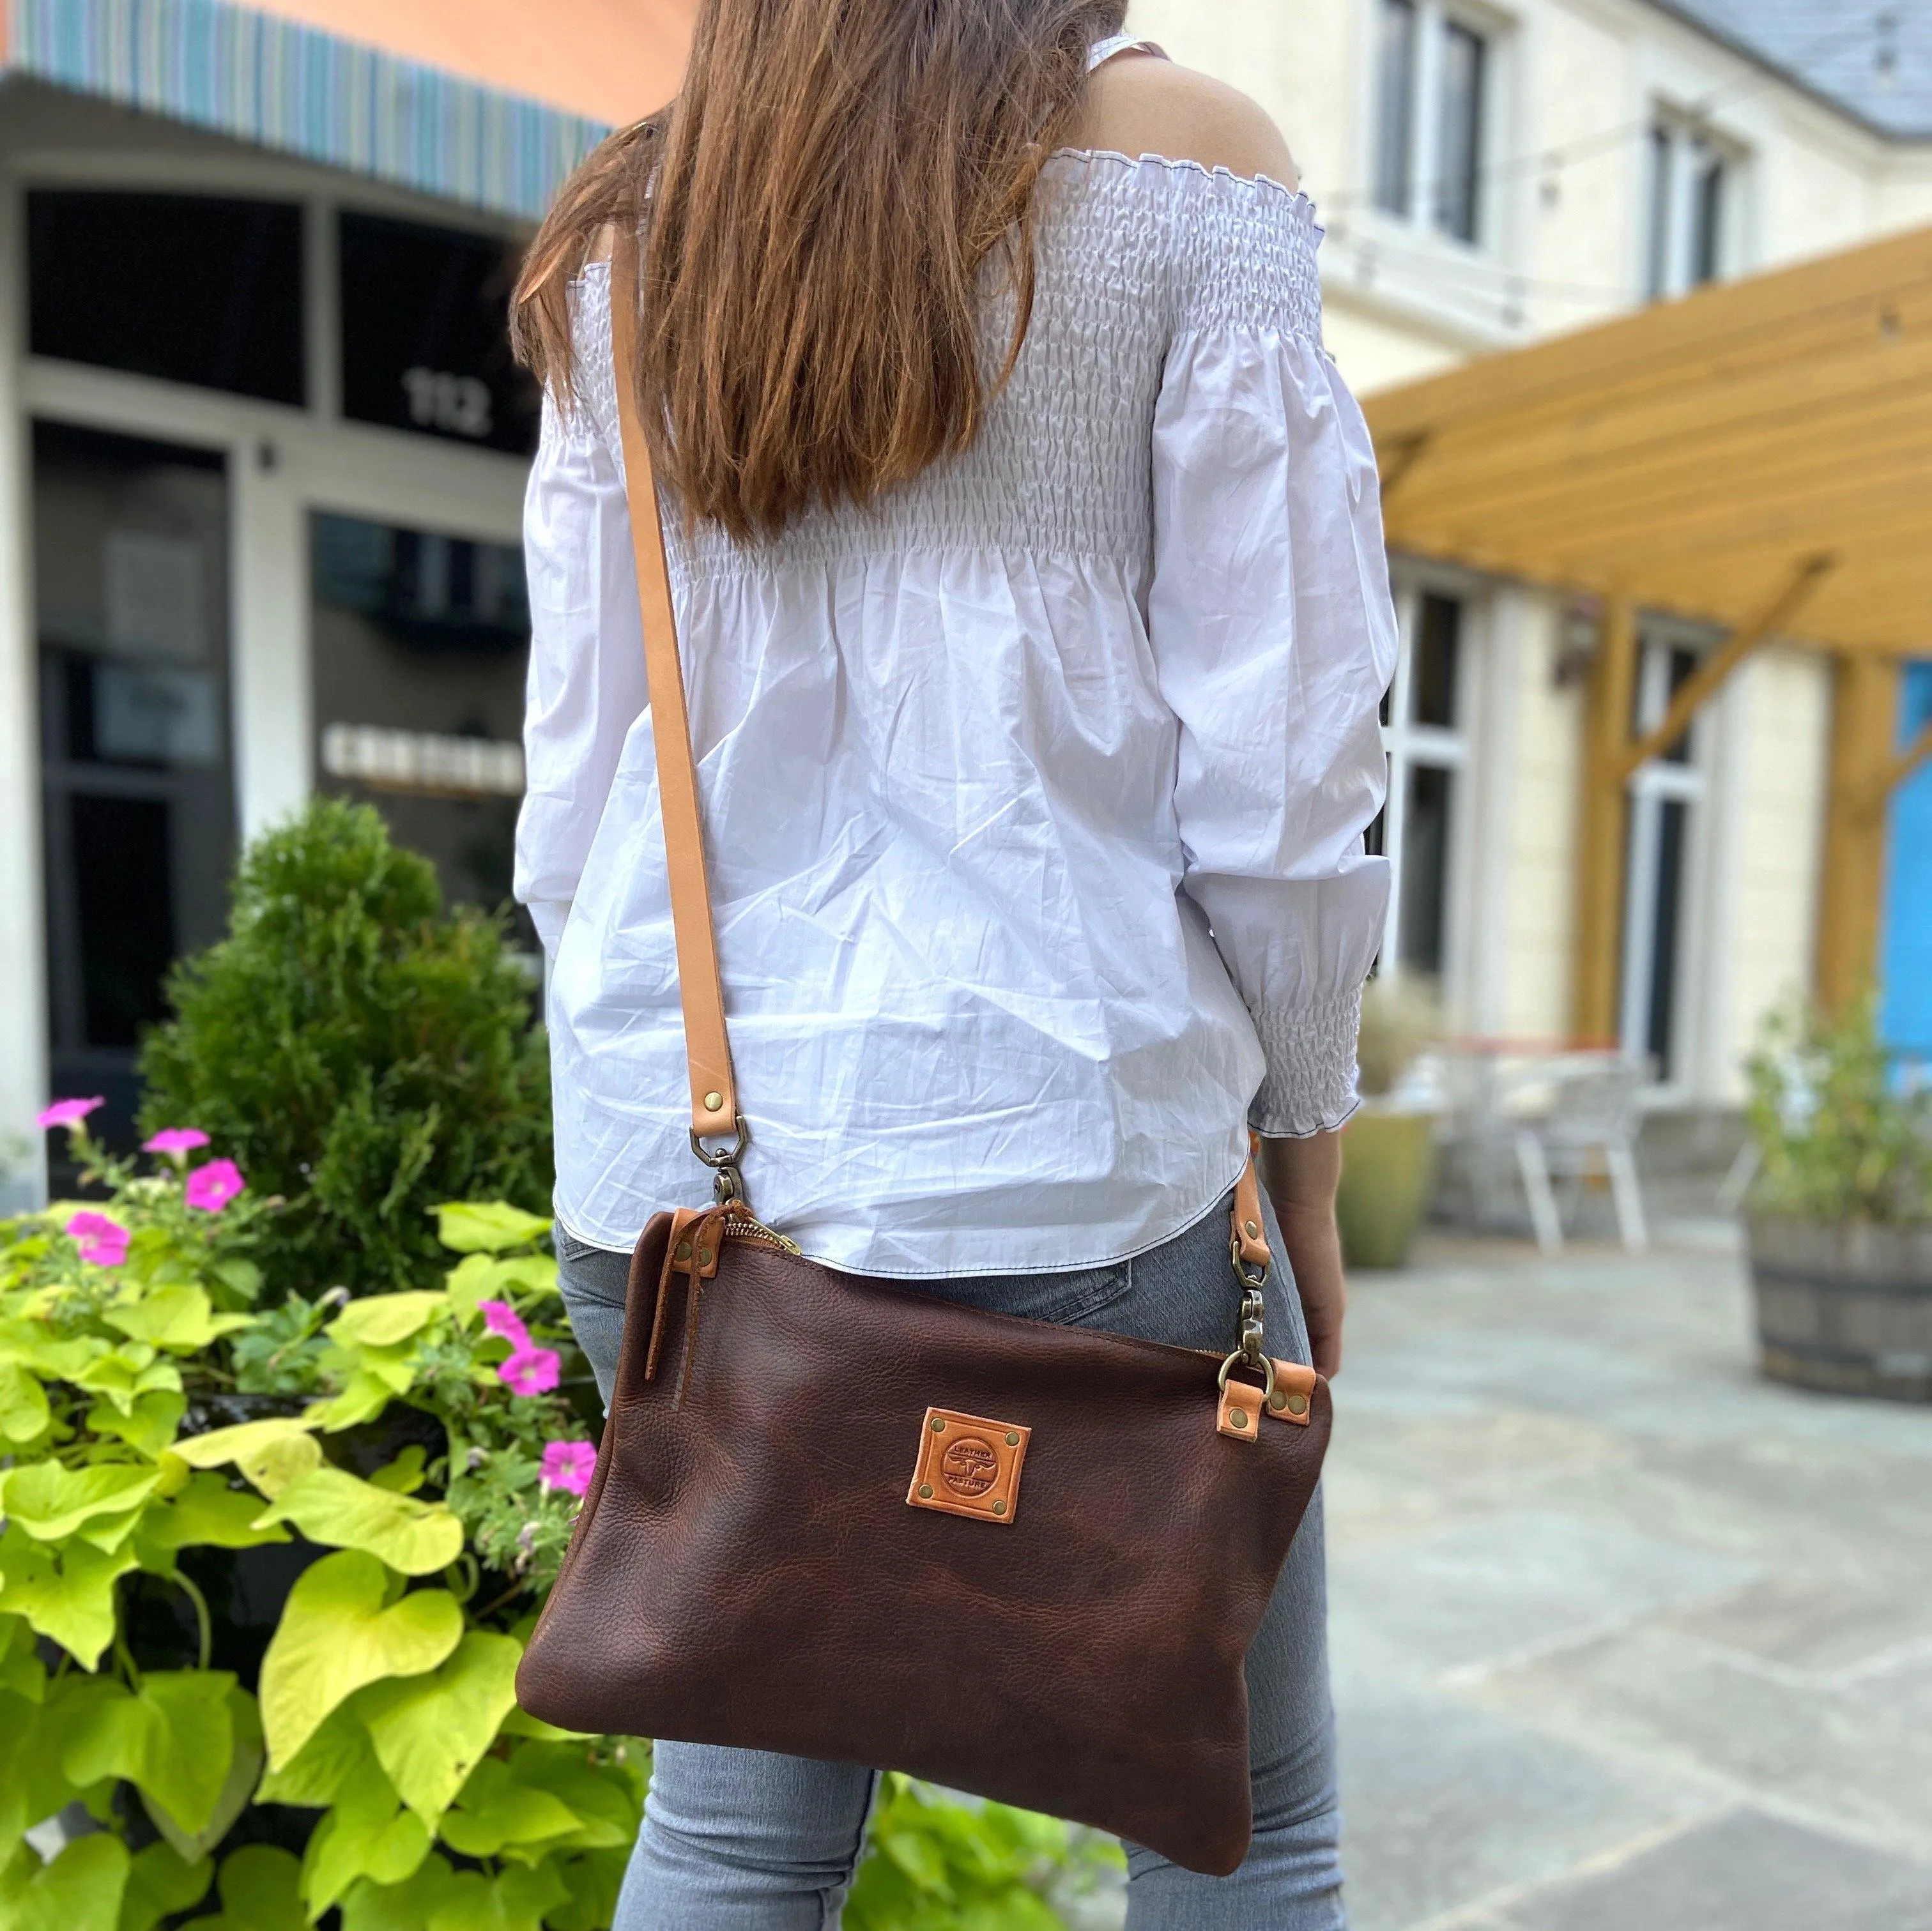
(968, 1465)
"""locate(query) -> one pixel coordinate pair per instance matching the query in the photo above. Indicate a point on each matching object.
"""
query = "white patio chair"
(1591, 1122)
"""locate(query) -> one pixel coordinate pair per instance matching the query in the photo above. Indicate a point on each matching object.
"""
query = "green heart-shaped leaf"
(495, 1810)
(399, 1907)
(173, 1738)
(431, 1731)
(160, 1884)
(50, 1502)
(383, 1319)
(487, 1226)
(148, 1425)
(245, 1767)
(260, 1887)
(178, 1318)
(23, 1403)
(367, 1834)
(209, 1514)
(338, 1753)
(67, 1594)
(335, 1636)
(244, 1441)
(81, 1888)
(329, 1505)
(513, 1900)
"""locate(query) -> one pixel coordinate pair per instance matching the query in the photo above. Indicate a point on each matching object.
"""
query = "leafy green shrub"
(360, 1051)
(1841, 1138)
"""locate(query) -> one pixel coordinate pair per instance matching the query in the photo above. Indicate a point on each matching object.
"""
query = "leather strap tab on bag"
(714, 1096)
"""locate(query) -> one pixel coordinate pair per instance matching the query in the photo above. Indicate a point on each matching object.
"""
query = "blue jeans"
(745, 1840)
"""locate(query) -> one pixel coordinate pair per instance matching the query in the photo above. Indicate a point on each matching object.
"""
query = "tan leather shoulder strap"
(714, 1099)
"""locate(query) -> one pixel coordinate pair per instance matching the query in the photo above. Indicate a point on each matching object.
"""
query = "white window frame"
(1433, 19)
(1688, 141)
(1655, 783)
(1451, 747)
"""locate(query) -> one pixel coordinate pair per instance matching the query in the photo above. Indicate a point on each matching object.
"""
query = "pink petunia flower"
(210, 1188)
(177, 1140)
(532, 1371)
(102, 1241)
(500, 1318)
(568, 1465)
(66, 1112)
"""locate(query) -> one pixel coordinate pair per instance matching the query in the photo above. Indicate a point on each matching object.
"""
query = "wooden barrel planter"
(1844, 1308)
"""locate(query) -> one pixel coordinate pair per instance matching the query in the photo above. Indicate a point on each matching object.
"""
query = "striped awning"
(294, 88)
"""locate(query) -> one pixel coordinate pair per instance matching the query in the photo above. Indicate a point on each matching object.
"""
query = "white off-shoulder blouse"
(1033, 794)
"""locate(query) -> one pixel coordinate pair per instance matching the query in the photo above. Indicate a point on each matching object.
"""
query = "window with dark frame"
(197, 288)
(425, 336)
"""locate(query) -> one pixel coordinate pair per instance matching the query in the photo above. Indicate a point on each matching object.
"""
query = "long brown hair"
(818, 206)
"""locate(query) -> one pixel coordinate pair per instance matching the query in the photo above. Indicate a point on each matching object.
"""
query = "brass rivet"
(1253, 1227)
(1012, 1440)
(684, 1250)
(938, 1426)
(1239, 1418)
(1277, 1400)
(714, 1101)
(1297, 1405)
(704, 1256)
(926, 1491)
(999, 1508)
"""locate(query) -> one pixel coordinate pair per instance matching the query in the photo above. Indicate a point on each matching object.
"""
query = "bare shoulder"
(1137, 105)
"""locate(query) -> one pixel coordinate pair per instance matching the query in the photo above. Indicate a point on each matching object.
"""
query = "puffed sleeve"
(586, 687)
(1274, 637)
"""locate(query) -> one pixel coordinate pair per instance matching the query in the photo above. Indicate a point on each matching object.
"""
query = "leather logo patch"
(968, 1466)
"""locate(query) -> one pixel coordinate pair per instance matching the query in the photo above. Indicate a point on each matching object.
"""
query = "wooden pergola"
(1757, 456)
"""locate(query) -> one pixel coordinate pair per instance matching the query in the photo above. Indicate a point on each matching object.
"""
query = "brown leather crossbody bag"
(847, 1519)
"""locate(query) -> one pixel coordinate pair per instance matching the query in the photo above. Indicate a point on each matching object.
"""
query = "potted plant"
(1388, 1146)
(1839, 1219)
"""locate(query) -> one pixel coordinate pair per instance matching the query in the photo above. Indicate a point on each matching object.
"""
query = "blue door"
(1906, 949)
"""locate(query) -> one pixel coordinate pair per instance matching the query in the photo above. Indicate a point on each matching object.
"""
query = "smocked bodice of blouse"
(1131, 256)
(1033, 792)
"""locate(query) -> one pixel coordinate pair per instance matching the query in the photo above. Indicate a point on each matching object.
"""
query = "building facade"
(1490, 173)
(262, 451)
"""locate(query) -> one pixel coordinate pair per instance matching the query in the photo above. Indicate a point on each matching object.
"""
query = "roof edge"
(1758, 58)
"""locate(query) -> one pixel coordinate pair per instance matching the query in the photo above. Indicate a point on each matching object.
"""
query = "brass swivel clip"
(728, 1183)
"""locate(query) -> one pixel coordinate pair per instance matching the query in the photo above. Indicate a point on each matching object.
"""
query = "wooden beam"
(1640, 349)
(1708, 678)
(1397, 458)
(1596, 943)
(1901, 767)
(1864, 710)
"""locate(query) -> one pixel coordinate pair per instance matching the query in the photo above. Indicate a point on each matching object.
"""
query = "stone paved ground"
(1624, 1636)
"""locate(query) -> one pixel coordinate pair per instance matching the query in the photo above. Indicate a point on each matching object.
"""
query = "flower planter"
(1388, 1164)
(1845, 1308)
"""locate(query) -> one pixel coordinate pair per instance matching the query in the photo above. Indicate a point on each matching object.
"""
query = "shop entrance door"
(131, 601)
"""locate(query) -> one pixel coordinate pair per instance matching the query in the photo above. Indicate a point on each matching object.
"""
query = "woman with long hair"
(1026, 561)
